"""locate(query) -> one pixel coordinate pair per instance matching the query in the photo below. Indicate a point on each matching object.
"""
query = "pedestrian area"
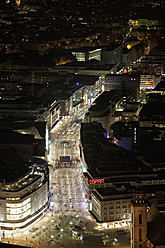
(67, 222)
(67, 191)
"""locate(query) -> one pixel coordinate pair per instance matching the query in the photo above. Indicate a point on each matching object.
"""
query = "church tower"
(138, 220)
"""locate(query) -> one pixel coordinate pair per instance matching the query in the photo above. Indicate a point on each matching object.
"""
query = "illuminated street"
(68, 208)
(65, 143)
(67, 193)
(82, 123)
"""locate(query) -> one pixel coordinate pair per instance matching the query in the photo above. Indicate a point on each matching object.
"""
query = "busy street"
(67, 212)
(64, 148)
(67, 222)
(67, 191)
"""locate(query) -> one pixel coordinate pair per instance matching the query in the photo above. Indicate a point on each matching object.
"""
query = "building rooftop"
(132, 107)
(103, 102)
(11, 137)
(33, 128)
(4, 245)
(81, 80)
(109, 191)
(153, 111)
(156, 234)
(160, 86)
(86, 49)
(126, 188)
(12, 166)
(111, 46)
(107, 160)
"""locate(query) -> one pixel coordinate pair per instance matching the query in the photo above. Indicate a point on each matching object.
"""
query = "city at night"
(82, 123)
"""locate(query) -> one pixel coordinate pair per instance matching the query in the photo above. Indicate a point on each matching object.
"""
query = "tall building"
(138, 221)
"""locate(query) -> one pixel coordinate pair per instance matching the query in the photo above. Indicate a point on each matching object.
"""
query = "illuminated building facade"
(138, 221)
(148, 81)
(108, 206)
(85, 89)
(142, 22)
(24, 195)
(109, 177)
(87, 53)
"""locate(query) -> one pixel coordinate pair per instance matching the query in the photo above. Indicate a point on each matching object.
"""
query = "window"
(140, 234)
(140, 218)
(111, 212)
(105, 208)
(117, 206)
(105, 218)
(118, 212)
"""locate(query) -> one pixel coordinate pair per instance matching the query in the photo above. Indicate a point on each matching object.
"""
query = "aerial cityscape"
(82, 123)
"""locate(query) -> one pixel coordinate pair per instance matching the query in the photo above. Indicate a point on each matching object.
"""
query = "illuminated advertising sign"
(94, 181)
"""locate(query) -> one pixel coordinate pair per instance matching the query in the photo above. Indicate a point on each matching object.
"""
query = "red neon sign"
(94, 181)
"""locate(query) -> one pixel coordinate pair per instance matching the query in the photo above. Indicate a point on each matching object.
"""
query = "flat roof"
(12, 166)
(126, 188)
(153, 111)
(10, 137)
(86, 49)
(4, 245)
(107, 160)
